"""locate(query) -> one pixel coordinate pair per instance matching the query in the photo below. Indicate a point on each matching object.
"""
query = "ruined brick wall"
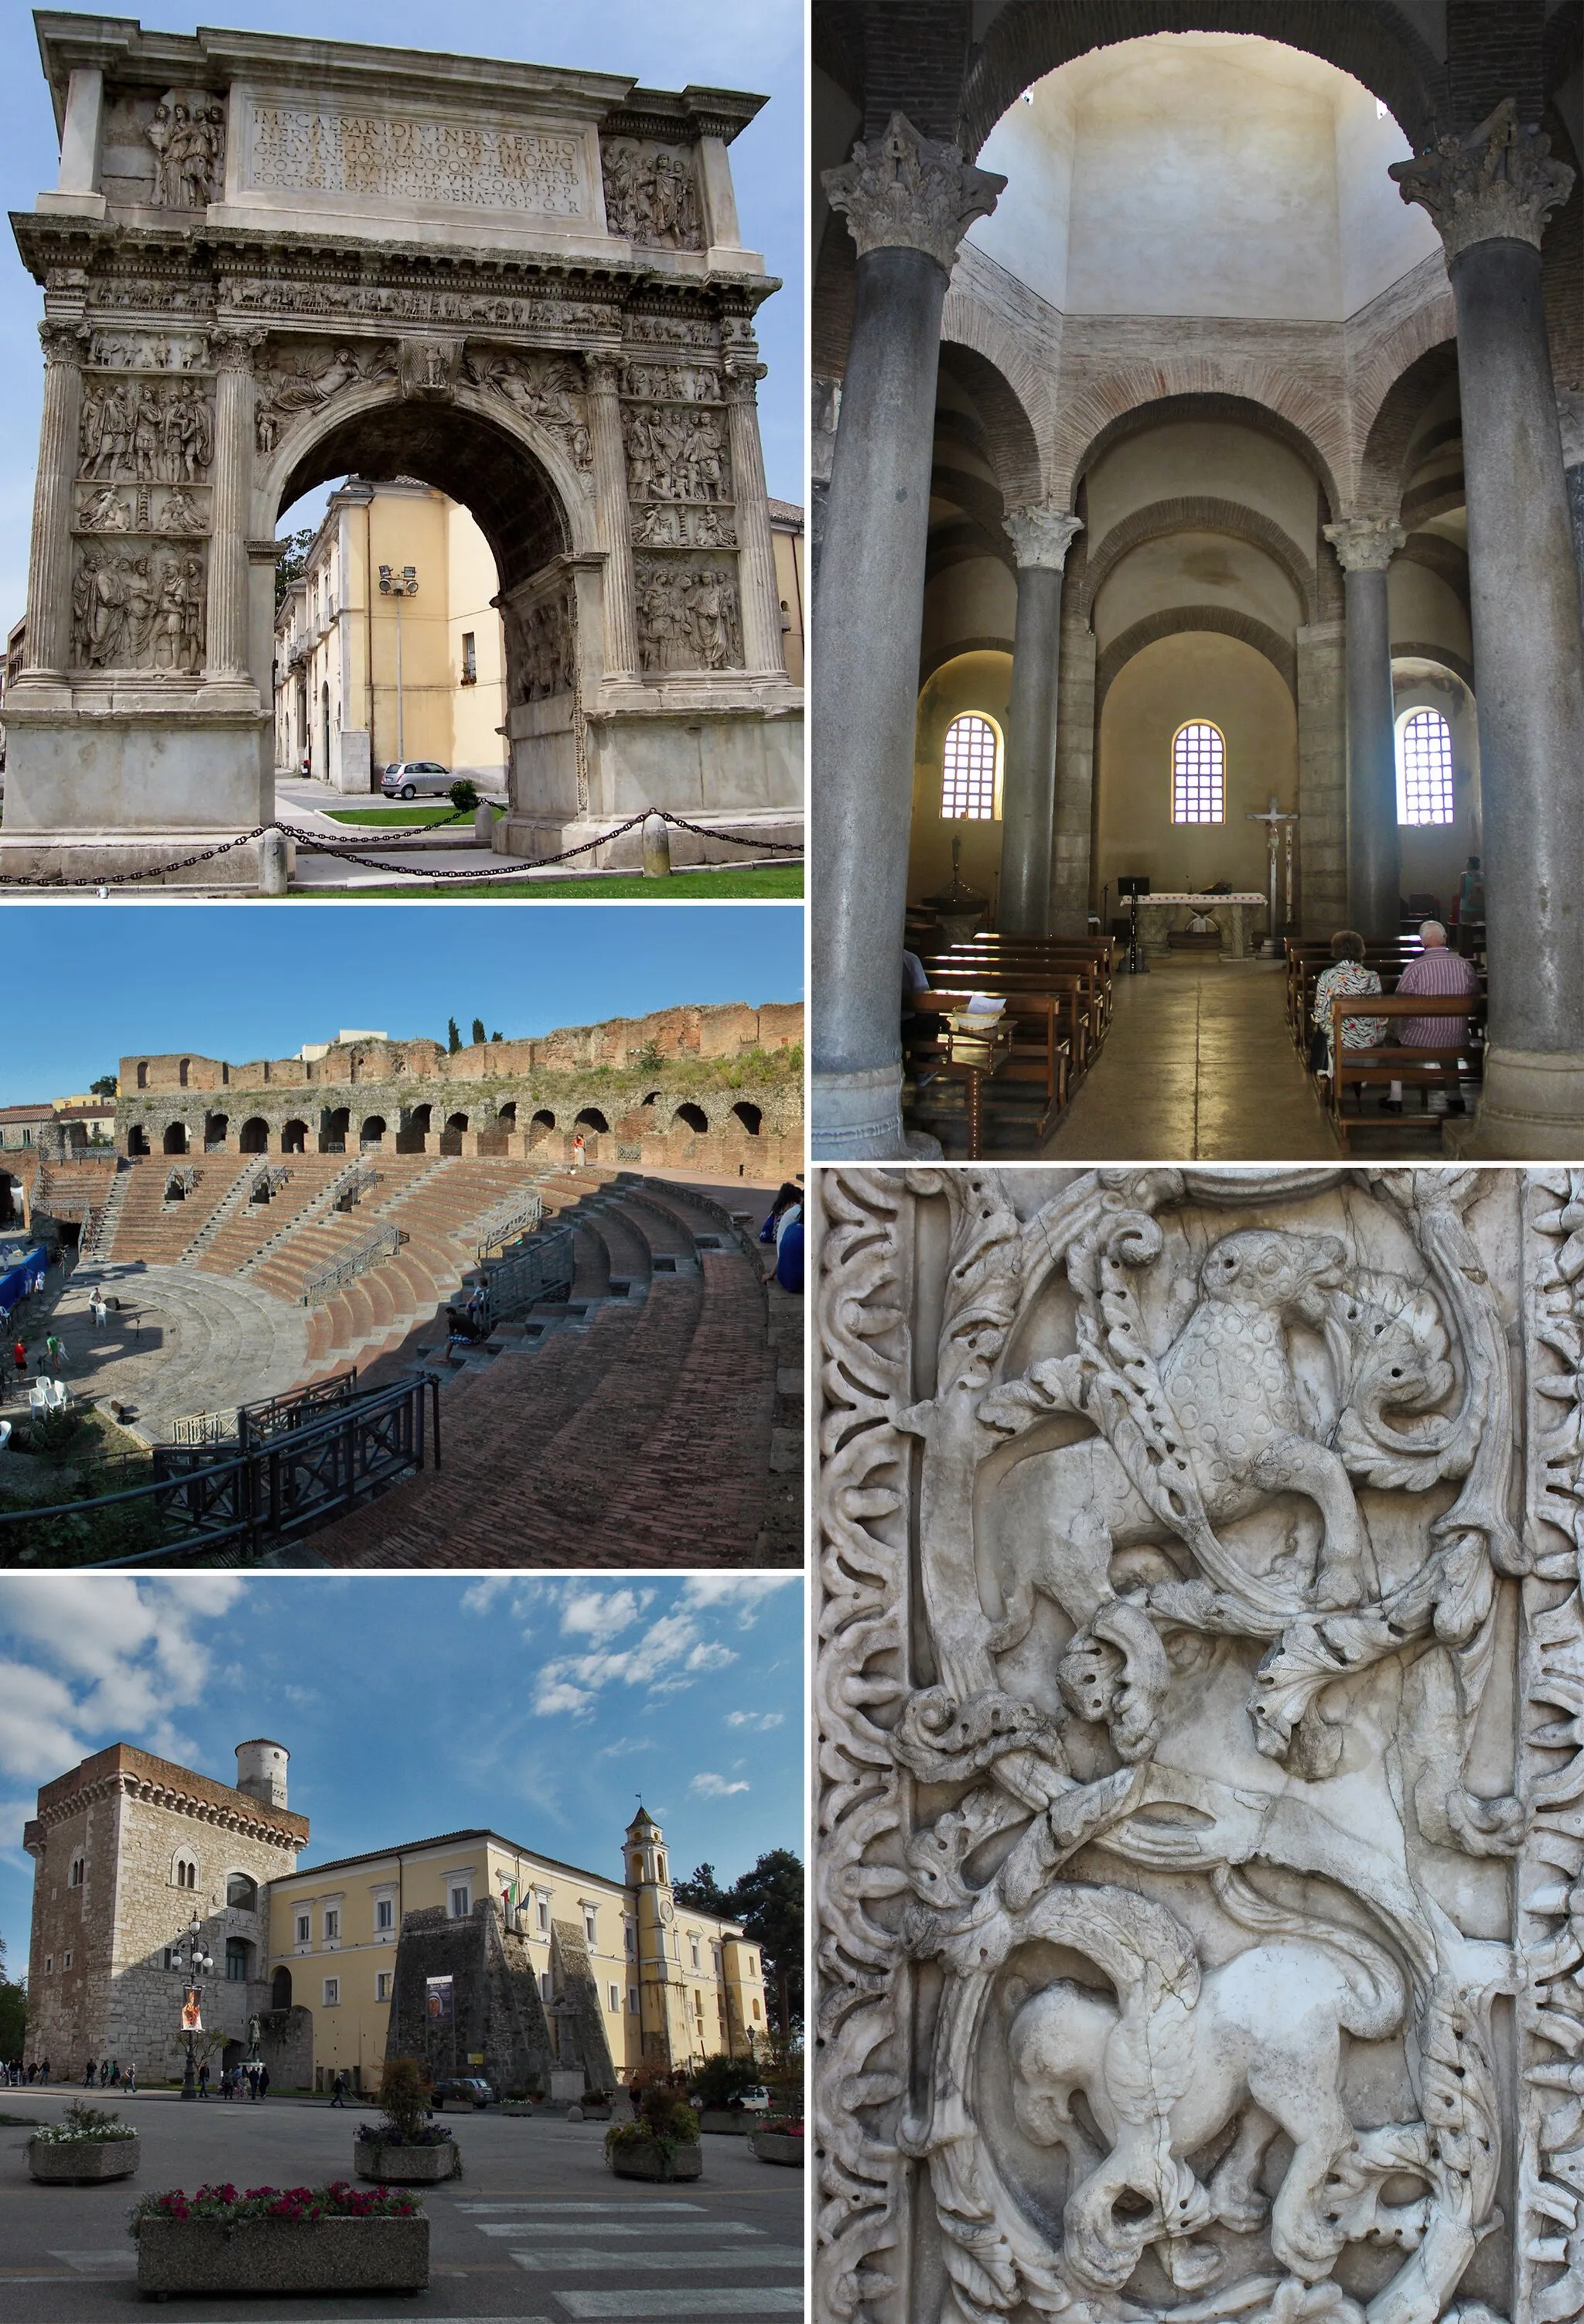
(577, 1995)
(496, 2009)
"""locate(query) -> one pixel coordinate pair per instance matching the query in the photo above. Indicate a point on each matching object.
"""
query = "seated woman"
(1345, 975)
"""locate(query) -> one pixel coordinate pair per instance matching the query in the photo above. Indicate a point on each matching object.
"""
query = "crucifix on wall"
(1278, 834)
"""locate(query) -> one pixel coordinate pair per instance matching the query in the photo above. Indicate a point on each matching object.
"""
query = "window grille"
(1425, 768)
(968, 773)
(1199, 773)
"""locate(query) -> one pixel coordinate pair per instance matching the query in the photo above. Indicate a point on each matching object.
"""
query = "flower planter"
(280, 2256)
(775, 2147)
(405, 2166)
(518, 2105)
(732, 2120)
(81, 2160)
(586, 2110)
(651, 2161)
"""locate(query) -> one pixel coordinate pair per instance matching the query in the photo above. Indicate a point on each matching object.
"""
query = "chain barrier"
(311, 844)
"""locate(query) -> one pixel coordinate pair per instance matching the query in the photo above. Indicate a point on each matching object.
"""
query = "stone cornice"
(903, 191)
(139, 1774)
(175, 1802)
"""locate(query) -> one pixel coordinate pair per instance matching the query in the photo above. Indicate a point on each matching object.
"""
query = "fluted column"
(908, 202)
(226, 660)
(1490, 194)
(1040, 539)
(48, 642)
(1365, 546)
(756, 548)
(609, 472)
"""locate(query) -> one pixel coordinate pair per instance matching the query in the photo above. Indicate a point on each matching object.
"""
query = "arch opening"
(255, 1135)
(175, 1138)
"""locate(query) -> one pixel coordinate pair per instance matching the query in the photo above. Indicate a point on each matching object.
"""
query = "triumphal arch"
(273, 262)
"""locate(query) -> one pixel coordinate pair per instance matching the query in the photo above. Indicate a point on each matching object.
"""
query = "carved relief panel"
(651, 193)
(297, 376)
(687, 614)
(138, 609)
(540, 645)
(1200, 1676)
(145, 430)
(545, 388)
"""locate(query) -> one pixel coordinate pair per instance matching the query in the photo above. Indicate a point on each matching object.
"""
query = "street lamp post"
(191, 1960)
(399, 586)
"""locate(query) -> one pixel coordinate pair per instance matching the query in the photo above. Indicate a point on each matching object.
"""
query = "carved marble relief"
(687, 616)
(134, 610)
(297, 379)
(674, 453)
(187, 134)
(545, 388)
(651, 193)
(416, 158)
(1199, 1697)
(145, 430)
(176, 510)
(667, 330)
(150, 351)
(540, 646)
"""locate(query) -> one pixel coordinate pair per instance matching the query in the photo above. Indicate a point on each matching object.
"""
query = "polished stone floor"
(1199, 1067)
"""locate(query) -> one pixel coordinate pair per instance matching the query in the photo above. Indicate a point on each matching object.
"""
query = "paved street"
(536, 2231)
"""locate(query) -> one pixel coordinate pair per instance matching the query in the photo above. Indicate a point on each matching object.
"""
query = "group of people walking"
(106, 2073)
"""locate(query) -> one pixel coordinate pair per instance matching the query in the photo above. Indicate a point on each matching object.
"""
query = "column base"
(1532, 1109)
(857, 1117)
(102, 858)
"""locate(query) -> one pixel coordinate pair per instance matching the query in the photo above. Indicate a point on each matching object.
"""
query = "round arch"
(1368, 39)
(978, 353)
(294, 1137)
(255, 1135)
(591, 1118)
(1148, 395)
(1176, 619)
(175, 1138)
(691, 1117)
(1196, 513)
(1382, 464)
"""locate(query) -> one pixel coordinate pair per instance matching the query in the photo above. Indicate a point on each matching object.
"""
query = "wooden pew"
(1444, 1067)
(1063, 958)
(1071, 990)
(1305, 962)
(1041, 1058)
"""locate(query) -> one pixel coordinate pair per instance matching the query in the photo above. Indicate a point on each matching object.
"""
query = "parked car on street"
(463, 2090)
(414, 779)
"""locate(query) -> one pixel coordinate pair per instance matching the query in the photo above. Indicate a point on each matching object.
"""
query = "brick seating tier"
(147, 1230)
(242, 1235)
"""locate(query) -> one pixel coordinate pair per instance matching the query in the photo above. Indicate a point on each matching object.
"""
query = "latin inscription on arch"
(301, 148)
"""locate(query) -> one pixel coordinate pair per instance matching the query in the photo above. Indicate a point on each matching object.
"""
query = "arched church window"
(1425, 768)
(969, 769)
(1199, 773)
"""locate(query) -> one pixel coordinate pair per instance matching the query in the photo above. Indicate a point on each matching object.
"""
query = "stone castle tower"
(126, 1848)
(662, 2000)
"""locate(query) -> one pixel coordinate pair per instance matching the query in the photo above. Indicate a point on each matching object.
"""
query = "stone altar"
(1233, 915)
(269, 261)
(1200, 1660)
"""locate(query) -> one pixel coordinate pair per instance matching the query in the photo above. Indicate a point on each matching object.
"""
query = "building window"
(384, 1913)
(970, 765)
(184, 1870)
(756, 2012)
(49, 1964)
(236, 1960)
(77, 1867)
(589, 1930)
(332, 1992)
(302, 1929)
(544, 1985)
(1425, 768)
(629, 1938)
(694, 1959)
(382, 1985)
(469, 659)
(541, 1905)
(632, 2000)
(615, 1992)
(1199, 773)
(66, 1960)
(241, 1892)
(332, 1923)
(461, 1903)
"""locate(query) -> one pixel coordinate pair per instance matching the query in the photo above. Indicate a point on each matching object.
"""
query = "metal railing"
(255, 1495)
(508, 1221)
(380, 1245)
(541, 1267)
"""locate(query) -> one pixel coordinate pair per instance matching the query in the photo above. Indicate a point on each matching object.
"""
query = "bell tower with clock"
(662, 2000)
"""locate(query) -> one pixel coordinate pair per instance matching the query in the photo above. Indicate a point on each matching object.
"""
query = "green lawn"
(776, 879)
(386, 818)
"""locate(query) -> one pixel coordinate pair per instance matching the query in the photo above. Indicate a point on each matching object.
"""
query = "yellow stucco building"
(673, 1985)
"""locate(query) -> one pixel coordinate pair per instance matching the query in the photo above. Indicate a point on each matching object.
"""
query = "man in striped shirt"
(1436, 970)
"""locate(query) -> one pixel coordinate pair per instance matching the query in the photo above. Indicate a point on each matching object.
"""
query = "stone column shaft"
(1490, 194)
(1074, 814)
(1040, 539)
(609, 472)
(1366, 546)
(49, 581)
(756, 548)
(1323, 776)
(226, 656)
(909, 203)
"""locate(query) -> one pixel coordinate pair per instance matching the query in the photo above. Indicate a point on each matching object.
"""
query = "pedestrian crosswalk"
(663, 2259)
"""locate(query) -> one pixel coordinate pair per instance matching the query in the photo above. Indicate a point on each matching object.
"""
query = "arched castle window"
(184, 1868)
(236, 1952)
(1425, 768)
(143, 1072)
(77, 1870)
(241, 1892)
(1199, 773)
(971, 770)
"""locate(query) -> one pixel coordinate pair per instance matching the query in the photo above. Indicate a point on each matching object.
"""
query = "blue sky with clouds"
(537, 1706)
(238, 983)
(758, 48)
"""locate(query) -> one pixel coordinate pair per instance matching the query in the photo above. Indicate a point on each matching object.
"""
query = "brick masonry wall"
(574, 1985)
(496, 2009)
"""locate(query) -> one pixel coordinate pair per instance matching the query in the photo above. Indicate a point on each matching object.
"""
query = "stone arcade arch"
(526, 285)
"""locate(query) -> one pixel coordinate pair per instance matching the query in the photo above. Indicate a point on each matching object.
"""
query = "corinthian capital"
(1497, 184)
(903, 191)
(1366, 544)
(63, 343)
(1041, 536)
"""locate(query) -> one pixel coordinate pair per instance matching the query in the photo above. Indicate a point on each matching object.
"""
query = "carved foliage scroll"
(1171, 1588)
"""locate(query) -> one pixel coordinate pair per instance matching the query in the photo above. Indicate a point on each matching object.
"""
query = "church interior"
(1199, 541)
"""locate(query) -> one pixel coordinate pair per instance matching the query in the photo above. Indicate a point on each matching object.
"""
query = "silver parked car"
(414, 779)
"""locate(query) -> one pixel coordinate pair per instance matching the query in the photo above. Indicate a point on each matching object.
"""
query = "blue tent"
(24, 1278)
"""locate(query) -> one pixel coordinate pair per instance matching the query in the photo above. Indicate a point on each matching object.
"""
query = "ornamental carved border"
(1200, 1708)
